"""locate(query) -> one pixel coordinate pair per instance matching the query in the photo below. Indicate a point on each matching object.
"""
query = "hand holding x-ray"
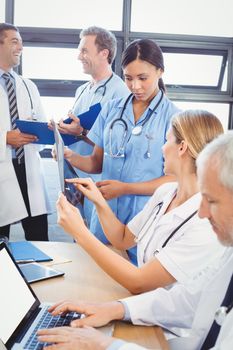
(66, 171)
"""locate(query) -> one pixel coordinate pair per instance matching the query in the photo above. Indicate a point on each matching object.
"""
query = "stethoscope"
(155, 212)
(103, 87)
(33, 114)
(137, 130)
(221, 313)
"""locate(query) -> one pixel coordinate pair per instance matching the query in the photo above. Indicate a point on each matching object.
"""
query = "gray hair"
(220, 153)
(104, 40)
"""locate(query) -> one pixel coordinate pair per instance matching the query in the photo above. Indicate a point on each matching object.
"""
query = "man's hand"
(16, 139)
(74, 128)
(67, 153)
(96, 314)
(67, 338)
(111, 188)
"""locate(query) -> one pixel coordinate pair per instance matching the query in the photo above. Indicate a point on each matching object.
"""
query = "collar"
(189, 206)
(10, 71)
(151, 105)
(183, 210)
(155, 101)
(100, 82)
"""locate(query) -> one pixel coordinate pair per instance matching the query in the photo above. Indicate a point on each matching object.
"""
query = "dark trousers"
(35, 227)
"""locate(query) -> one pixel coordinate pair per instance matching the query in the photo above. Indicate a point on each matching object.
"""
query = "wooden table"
(84, 280)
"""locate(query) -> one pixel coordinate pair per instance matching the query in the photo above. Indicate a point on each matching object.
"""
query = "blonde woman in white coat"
(173, 242)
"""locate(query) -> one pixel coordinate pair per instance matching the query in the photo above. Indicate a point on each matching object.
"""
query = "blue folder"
(46, 136)
(88, 118)
(23, 251)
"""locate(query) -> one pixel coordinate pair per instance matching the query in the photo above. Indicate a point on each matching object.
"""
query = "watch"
(82, 134)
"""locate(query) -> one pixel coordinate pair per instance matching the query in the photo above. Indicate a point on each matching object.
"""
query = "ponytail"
(162, 85)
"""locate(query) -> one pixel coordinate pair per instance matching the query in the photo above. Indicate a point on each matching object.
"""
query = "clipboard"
(25, 251)
(88, 118)
(44, 134)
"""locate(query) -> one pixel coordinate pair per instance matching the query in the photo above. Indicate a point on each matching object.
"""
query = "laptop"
(34, 272)
(22, 314)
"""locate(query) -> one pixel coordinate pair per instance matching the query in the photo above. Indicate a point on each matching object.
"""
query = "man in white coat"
(22, 188)
(179, 307)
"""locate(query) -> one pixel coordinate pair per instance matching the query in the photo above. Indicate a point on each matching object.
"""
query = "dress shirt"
(189, 307)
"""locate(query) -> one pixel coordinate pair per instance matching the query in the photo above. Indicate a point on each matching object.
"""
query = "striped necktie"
(19, 152)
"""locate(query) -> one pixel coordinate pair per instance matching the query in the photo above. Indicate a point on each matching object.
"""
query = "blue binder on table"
(25, 251)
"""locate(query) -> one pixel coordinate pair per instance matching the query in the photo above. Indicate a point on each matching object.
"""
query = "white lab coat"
(186, 309)
(12, 205)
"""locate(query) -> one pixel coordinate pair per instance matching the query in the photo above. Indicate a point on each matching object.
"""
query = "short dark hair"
(145, 50)
(104, 40)
(4, 27)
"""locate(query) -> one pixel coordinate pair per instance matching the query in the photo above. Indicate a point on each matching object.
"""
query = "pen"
(25, 261)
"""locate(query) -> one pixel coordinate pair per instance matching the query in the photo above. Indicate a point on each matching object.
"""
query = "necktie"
(19, 152)
(215, 328)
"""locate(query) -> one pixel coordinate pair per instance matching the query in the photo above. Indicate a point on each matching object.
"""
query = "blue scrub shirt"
(135, 166)
(86, 96)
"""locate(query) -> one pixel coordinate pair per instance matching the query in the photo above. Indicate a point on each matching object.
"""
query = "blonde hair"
(197, 128)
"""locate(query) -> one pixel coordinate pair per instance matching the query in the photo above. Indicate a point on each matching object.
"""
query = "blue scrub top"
(134, 166)
(86, 96)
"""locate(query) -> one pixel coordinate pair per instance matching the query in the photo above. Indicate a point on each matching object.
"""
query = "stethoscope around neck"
(101, 87)
(136, 131)
(221, 313)
(155, 212)
(33, 114)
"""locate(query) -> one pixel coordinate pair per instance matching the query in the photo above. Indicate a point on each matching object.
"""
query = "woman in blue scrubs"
(128, 136)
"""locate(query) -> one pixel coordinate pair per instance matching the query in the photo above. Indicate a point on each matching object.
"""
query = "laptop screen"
(18, 301)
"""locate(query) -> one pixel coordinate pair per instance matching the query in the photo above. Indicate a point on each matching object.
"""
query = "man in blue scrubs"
(96, 51)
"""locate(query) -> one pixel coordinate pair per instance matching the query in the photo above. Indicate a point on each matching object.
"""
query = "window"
(209, 17)
(57, 107)
(221, 110)
(52, 63)
(2, 11)
(196, 38)
(69, 14)
(191, 69)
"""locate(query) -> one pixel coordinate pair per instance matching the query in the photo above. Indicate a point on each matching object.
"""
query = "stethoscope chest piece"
(220, 315)
(137, 130)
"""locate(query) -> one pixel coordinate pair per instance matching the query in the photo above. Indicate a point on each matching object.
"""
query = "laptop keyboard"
(49, 321)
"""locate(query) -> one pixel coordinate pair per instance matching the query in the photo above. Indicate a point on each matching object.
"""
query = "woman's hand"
(96, 314)
(69, 217)
(89, 189)
(111, 188)
(67, 338)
